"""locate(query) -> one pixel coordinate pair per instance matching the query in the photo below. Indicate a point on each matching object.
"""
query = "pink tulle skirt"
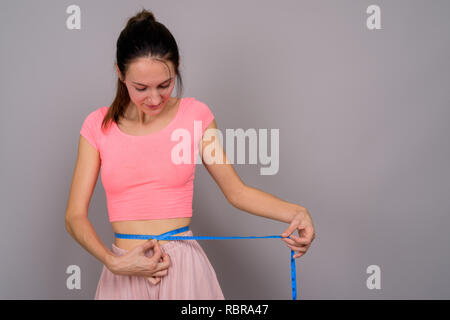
(190, 276)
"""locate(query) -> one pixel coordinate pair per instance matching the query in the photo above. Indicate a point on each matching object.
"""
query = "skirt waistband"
(151, 236)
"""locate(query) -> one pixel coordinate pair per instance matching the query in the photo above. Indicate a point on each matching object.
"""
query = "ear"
(118, 73)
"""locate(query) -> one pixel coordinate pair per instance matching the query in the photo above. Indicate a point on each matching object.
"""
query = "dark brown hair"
(143, 36)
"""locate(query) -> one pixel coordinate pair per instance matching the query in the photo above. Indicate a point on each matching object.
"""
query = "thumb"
(292, 227)
(150, 243)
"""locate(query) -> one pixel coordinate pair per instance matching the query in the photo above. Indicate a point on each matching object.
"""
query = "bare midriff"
(147, 227)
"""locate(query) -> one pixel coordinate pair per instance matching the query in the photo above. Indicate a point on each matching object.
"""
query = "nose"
(154, 99)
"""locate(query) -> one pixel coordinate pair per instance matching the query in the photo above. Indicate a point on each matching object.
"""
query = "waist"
(146, 227)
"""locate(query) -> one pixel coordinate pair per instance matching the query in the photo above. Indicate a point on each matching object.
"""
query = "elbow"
(67, 225)
(71, 217)
(236, 194)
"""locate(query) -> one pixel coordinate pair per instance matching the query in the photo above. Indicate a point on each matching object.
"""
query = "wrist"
(110, 262)
(299, 210)
(300, 213)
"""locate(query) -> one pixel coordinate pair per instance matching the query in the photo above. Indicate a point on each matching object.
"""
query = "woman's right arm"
(83, 183)
(80, 228)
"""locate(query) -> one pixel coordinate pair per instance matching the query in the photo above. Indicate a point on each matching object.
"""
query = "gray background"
(363, 118)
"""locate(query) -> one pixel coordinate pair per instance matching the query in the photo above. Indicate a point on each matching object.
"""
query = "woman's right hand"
(136, 263)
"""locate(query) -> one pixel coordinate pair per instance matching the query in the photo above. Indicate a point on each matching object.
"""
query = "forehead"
(150, 71)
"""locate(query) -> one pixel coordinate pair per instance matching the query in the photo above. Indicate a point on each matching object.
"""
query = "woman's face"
(150, 84)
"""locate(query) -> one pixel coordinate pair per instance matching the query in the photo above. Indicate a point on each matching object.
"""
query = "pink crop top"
(140, 174)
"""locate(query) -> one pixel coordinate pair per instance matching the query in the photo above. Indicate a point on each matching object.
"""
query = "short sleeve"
(205, 115)
(90, 129)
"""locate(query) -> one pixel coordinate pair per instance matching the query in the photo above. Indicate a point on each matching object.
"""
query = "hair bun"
(144, 15)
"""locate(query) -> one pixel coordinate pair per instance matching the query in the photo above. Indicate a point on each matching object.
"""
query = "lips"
(154, 107)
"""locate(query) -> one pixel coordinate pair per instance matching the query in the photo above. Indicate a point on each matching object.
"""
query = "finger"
(164, 264)
(157, 254)
(166, 259)
(161, 273)
(296, 241)
(298, 249)
(294, 245)
(154, 280)
(307, 233)
(292, 227)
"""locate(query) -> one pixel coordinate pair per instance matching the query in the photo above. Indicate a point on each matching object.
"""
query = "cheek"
(137, 97)
(133, 94)
(165, 96)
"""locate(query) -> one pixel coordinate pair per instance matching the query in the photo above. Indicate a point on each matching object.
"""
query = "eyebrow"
(141, 84)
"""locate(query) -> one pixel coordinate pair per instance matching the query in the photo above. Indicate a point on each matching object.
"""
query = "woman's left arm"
(253, 200)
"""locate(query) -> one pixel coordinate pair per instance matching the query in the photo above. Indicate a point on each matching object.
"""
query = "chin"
(160, 108)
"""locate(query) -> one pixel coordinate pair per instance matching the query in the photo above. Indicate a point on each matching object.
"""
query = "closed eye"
(162, 87)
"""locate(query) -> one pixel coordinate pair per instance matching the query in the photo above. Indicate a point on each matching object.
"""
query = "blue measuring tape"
(168, 236)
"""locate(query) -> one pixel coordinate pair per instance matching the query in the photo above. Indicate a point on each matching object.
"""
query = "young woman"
(148, 190)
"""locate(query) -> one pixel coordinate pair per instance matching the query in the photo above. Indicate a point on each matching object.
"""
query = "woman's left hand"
(303, 223)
